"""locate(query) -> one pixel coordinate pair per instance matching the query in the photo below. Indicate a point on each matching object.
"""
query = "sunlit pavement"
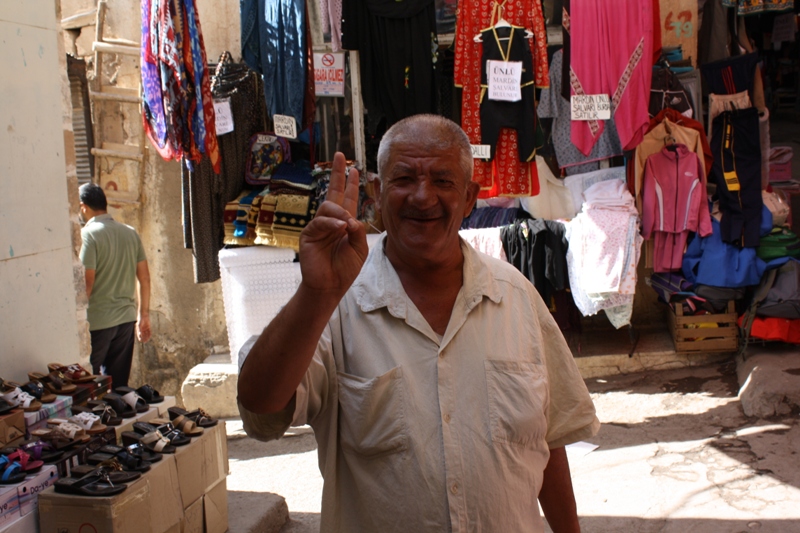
(675, 454)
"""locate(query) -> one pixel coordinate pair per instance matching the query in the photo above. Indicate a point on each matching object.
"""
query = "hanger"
(497, 11)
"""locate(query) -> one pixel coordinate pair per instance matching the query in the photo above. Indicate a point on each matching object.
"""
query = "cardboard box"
(166, 505)
(215, 508)
(217, 454)
(193, 518)
(203, 463)
(9, 504)
(42, 422)
(12, 427)
(191, 471)
(124, 513)
(24, 524)
(57, 409)
(33, 485)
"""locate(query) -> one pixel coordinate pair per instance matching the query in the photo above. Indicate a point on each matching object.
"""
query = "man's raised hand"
(333, 247)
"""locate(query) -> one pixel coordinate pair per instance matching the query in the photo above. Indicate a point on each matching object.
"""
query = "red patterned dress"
(506, 175)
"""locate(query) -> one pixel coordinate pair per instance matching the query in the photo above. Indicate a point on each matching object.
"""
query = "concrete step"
(252, 512)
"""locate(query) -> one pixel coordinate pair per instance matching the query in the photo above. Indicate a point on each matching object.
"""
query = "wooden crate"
(694, 334)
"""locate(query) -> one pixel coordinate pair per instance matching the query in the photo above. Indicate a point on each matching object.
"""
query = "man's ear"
(472, 197)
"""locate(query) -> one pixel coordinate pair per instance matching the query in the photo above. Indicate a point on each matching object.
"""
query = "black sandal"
(149, 394)
(96, 483)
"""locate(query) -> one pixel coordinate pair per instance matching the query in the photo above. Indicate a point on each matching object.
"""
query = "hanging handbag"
(265, 152)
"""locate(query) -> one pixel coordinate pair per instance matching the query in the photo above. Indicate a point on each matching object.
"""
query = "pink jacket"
(674, 193)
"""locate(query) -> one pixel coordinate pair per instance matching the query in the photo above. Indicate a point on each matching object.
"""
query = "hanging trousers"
(736, 146)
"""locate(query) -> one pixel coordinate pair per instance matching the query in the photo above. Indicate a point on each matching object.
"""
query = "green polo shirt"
(112, 250)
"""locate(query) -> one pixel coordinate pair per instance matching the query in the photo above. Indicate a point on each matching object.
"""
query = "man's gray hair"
(444, 134)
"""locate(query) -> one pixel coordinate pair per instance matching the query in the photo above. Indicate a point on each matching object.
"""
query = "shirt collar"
(98, 218)
(378, 284)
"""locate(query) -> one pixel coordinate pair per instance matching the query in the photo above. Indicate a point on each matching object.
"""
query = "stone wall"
(37, 262)
(188, 319)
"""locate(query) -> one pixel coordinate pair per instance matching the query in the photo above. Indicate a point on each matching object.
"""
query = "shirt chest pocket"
(518, 401)
(371, 413)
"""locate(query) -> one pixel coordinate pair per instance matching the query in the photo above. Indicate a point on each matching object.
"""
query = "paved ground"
(675, 454)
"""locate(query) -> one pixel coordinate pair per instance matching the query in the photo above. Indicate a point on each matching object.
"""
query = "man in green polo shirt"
(116, 265)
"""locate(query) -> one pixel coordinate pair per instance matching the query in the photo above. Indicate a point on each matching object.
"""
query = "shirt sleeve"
(539, 45)
(648, 200)
(140, 255)
(88, 253)
(571, 414)
(310, 399)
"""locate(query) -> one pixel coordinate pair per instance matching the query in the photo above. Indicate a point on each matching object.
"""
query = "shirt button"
(441, 355)
(454, 488)
(447, 418)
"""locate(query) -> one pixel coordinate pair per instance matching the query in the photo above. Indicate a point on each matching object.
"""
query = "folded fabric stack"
(604, 250)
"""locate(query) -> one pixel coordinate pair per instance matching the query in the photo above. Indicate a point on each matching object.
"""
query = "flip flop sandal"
(93, 484)
(54, 438)
(199, 416)
(36, 389)
(69, 430)
(121, 460)
(54, 382)
(116, 474)
(24, 459)
(140, 452)
(107, 415)
(149, 394)
(89, 422)
(156, 442)
(168, 431)
(118, 404)
(5, 406)
(18, 398)
(74, 373)
(175, 436)
(42, 451)
(12, 472)
(186, 425)
(130, 397)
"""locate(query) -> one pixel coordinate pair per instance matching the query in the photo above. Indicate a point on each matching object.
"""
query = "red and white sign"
(329, 73)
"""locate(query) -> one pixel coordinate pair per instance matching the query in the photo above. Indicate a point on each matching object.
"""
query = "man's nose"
(424, 194)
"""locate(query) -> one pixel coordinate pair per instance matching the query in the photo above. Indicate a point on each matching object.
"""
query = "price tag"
(590, 107)
(504, 80)
(481, 151)
(285, 126)
(223, 117)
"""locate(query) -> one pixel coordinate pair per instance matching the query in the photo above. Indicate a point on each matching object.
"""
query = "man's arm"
(333, 248)
(143, 317)
(89, 281)
(557, 497)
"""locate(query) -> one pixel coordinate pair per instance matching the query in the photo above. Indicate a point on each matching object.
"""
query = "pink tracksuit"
(675, 202)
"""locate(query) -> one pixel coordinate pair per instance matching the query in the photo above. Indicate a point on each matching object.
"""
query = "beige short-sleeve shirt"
(418, 433)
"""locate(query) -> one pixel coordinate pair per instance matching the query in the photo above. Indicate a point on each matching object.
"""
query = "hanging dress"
(505, 175)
